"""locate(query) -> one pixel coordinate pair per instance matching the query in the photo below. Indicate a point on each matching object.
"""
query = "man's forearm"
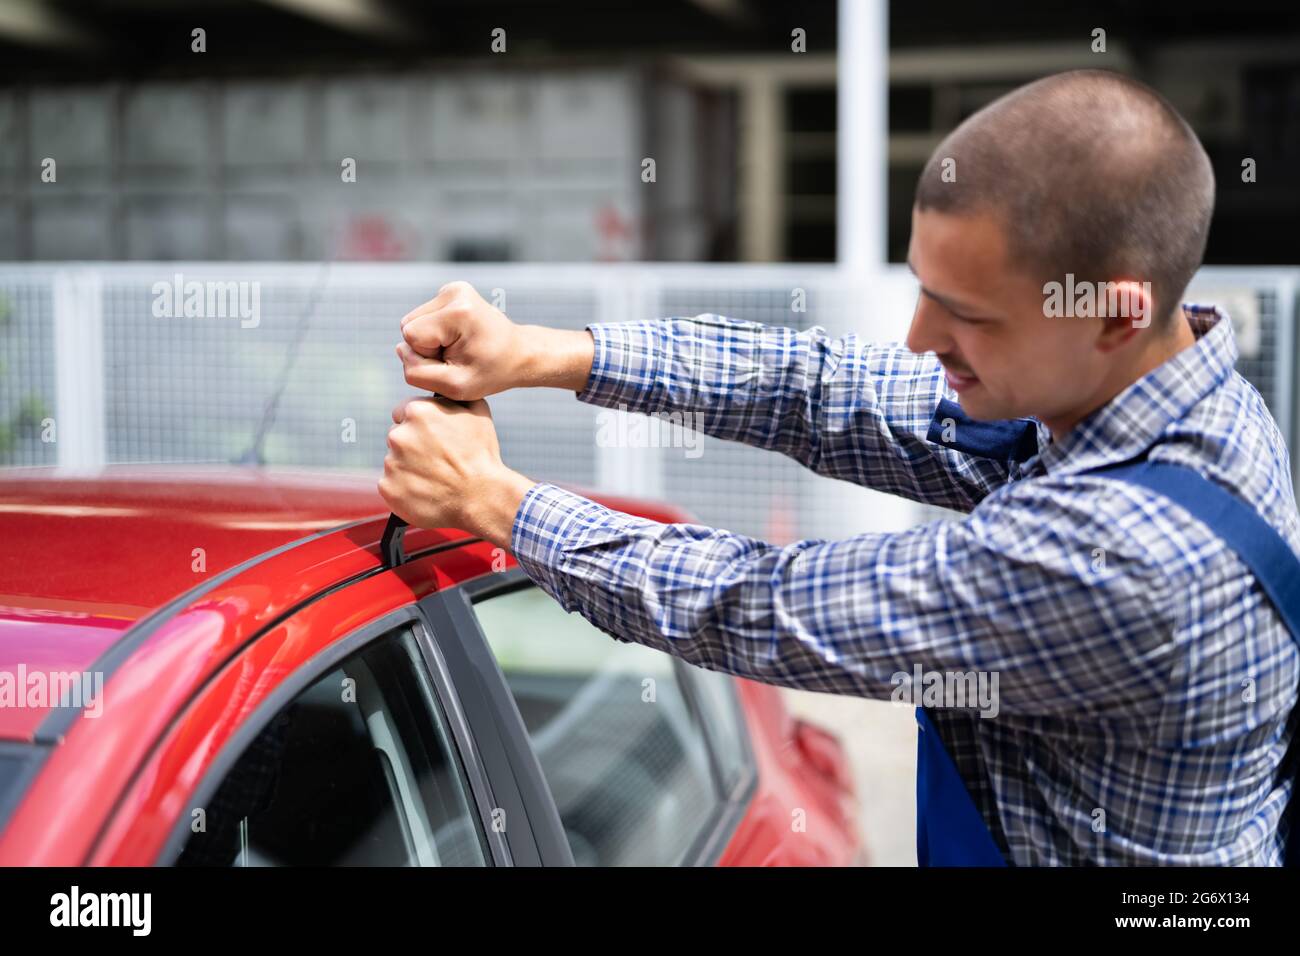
(844, 408)
(841, 406)
(742, 381)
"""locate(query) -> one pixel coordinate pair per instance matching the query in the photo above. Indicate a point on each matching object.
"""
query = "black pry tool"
(390, 545)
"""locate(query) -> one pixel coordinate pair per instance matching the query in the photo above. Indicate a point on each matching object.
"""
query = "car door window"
(11, 769)
(724, 722)
(358, 769)
(622, 752)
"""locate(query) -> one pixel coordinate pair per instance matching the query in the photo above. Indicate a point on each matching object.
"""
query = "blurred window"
(357, 770)
(622, 752)
(724, 722)
(10, 770)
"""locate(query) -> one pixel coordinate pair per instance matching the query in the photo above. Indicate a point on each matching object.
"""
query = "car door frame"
(491, 710)
(451, 612)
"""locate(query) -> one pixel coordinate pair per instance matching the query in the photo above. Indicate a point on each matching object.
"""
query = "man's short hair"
(1092, 173)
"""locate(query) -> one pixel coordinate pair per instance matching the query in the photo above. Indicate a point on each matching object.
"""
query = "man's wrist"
(556, 358)
(497, 502)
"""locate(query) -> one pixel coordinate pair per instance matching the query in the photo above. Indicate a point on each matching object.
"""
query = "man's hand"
(444, 470)
(461, 346)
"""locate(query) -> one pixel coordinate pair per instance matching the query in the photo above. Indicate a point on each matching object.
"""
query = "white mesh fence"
(82, 347)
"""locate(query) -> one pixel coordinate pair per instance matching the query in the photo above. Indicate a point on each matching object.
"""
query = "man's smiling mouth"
(957, 380)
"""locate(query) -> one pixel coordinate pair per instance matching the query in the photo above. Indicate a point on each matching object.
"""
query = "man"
(1145, 680)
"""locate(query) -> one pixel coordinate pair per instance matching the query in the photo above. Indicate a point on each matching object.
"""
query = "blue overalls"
(949, 828)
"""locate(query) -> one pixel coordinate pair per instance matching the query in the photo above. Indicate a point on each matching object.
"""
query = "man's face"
(984, 318)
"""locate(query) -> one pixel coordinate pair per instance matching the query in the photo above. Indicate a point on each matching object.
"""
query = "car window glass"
(358, 769)
(10, 769)
(623, 754)
(716, 694)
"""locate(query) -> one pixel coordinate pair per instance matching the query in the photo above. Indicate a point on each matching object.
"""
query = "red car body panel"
(85, 563)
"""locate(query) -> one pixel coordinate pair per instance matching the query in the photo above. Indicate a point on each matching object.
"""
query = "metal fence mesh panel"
(178, 389)
(1267, 300)
(184, 389)
(195, 389)
(745, 489)
(27, 377)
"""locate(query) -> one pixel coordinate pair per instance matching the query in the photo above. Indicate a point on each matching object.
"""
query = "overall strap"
(1259, 545)
(949, 828)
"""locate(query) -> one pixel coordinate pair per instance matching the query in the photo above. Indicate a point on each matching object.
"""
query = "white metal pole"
(862, 216)
(863, 135)
(79, 371)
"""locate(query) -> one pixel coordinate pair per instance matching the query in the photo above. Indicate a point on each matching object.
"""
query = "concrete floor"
(880, 738)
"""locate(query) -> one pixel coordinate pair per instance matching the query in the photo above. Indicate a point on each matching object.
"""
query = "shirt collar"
(1131, 422)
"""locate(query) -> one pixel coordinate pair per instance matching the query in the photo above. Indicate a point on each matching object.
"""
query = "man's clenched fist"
(461, 346)
(444, 469)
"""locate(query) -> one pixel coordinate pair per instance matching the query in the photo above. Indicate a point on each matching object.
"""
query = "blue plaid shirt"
(1145, 682)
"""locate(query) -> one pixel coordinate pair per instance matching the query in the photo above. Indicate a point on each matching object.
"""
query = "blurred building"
(774, 136)
(537, 152)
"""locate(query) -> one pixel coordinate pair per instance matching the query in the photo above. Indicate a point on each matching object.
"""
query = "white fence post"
(79, 370)
(862, 213)
(624, 296)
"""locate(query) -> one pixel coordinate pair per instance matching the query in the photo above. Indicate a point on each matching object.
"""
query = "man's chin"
(980, 407)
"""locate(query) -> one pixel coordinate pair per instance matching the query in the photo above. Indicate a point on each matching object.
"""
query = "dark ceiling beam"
(37, 23)
(732, 11)
(367, 17)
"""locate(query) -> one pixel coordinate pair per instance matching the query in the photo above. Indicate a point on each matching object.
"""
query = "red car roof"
(119, 544)
(84, 558)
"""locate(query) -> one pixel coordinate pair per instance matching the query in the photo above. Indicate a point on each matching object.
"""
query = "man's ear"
(1126, 306)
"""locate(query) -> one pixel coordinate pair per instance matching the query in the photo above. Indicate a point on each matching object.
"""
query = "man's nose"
(928, 332)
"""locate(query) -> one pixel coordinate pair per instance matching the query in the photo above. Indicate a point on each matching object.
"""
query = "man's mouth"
(958, 381)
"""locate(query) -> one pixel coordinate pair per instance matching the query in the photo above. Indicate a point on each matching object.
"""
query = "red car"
(219, 667)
